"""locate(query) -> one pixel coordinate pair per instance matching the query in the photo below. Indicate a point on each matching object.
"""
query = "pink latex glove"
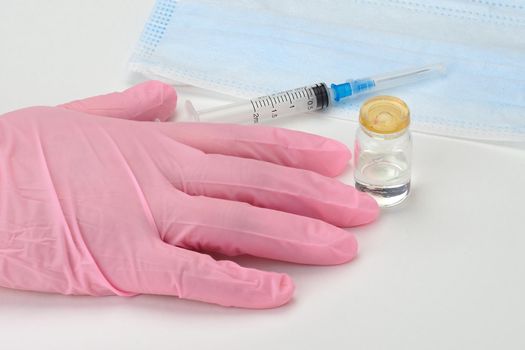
(97, 199)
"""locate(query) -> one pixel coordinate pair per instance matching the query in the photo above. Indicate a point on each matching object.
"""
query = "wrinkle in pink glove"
(97, 199)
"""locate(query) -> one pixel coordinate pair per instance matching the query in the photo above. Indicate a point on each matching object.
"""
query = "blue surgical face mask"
(248, 48)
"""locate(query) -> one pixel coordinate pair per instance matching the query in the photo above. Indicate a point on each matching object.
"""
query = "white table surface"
(446, 270)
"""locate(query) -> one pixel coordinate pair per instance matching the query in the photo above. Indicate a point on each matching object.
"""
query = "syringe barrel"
(290, 102)
(231, 113)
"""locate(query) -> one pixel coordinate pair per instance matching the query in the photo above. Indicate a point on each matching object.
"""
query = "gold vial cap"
(384, 115)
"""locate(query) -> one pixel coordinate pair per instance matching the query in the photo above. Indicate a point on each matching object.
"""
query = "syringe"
(309, 98)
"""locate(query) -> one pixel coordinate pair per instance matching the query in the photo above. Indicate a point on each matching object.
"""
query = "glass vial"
(383, 150)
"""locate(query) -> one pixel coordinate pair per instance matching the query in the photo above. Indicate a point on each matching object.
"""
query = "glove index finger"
(146, 101)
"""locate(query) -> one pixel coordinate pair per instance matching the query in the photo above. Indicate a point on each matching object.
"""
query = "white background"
(446, 270)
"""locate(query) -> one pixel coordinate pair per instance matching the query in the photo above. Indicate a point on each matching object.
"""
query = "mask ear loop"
(191, 112)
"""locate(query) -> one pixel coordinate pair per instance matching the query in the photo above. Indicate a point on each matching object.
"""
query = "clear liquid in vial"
(385, 176)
